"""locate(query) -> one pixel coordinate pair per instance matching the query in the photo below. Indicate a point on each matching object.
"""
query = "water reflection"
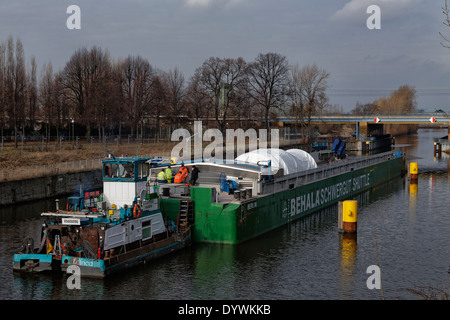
(29, 286)
(213, 274)
(347, 251)
(413, 189)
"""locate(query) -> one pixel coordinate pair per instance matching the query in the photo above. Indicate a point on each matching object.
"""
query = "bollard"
(438, 149)
(413, 170)
(350, 216)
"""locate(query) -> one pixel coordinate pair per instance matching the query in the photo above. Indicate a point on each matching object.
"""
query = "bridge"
(366, 125)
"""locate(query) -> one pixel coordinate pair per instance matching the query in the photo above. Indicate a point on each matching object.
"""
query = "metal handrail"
(325, 171)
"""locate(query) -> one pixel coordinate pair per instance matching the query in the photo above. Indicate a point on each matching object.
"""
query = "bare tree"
(211, 78)
(174, 82)
(446, 12)
(158, 102)
(101, 91)
(220, 79)
(60, 105)
(15, 86)
(32, 93)
(235, 81)
(84, 76)
(241, 103)
(267, 80)
(2, 87)
(75, 82)
(46, 89)
(368, 109)
(118, 114)
(196, 98)
(99, 78)
(314, 84)
(136, 79)
(308, 92)
(401, 101)
(296, 95)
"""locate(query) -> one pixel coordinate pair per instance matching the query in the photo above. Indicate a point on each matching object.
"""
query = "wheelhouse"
(124, 179)
(125, 169)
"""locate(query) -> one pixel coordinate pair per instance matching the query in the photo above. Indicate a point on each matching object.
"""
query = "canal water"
(402, 228)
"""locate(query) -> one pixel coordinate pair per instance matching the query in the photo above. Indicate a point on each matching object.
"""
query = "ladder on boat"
(186, 212)
(57, 246)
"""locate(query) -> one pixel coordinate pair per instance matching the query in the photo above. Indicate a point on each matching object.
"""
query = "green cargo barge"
(235, 202)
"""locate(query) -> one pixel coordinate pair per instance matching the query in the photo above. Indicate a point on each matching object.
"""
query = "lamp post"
(73, 130)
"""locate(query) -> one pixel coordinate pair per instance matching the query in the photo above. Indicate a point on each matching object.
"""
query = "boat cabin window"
(143, 170)
(126, 170)
(111, 170)
(146, 229)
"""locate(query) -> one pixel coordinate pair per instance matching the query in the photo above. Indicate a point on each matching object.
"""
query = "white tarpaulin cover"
(290, 162)
(304, 159)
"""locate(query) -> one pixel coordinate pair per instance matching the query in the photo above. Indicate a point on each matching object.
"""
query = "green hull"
(233, 223)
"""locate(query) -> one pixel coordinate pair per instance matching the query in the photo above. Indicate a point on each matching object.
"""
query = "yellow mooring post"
(413, 170)
(438, 149)
(349, 216)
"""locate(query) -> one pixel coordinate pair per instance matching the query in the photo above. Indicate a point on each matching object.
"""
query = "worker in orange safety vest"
(178, 178)
(184, 172)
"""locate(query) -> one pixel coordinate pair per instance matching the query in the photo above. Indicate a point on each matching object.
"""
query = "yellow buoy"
(413, 170)
(350, 215)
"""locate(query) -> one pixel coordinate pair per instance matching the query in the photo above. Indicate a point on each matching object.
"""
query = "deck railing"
(296, 179)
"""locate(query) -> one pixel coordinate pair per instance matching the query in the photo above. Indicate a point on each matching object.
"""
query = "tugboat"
(102, 233)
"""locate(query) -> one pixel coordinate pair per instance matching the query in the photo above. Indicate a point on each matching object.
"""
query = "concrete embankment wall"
(12, 192)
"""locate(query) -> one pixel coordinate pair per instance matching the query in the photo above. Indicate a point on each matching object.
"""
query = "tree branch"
(445, 11)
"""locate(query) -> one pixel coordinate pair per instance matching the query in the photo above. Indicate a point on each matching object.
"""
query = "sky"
(364, 64)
